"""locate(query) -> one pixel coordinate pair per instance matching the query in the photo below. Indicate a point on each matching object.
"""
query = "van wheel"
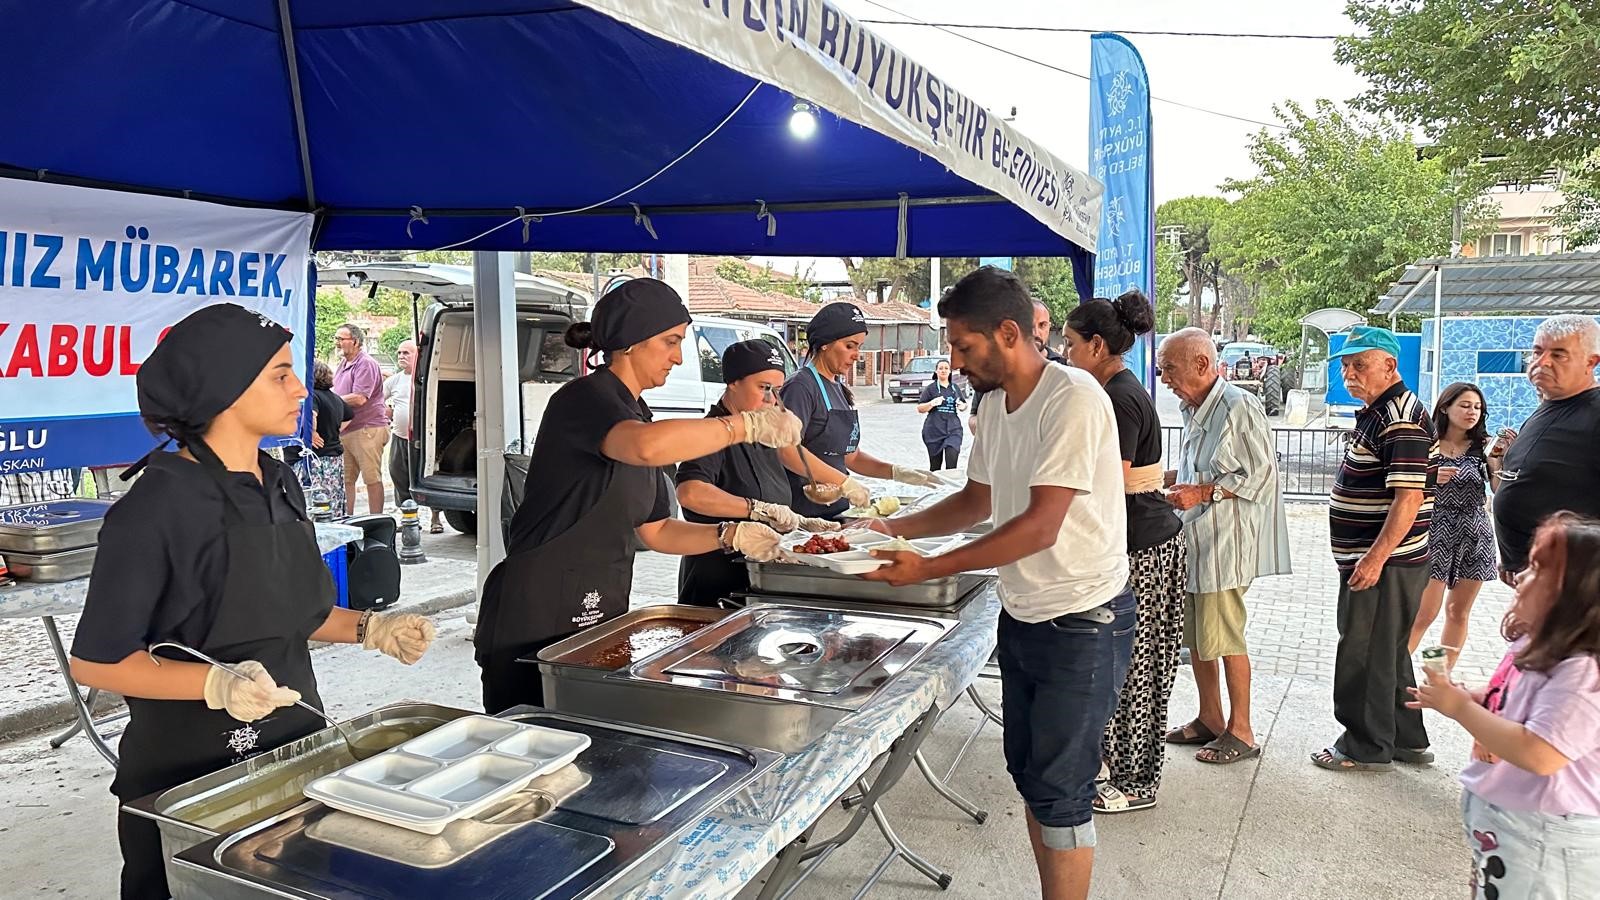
(897, 397)
(462, 520)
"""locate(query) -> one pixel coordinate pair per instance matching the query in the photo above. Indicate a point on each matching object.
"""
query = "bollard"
(321, 507)
(410, 535)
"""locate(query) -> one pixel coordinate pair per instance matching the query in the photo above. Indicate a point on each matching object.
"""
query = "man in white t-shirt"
(1047, 467)
(397, 396)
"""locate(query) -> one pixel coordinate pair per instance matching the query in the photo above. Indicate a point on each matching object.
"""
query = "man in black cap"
(212, 548)
(742, 481)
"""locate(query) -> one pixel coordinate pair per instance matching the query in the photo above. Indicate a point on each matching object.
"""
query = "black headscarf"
(746, 358)
(636, 310)
(835, 321)
(204, 364)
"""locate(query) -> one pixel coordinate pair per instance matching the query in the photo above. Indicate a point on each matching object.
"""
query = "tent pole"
(499, 415)
(289, 61)
(1438, 331)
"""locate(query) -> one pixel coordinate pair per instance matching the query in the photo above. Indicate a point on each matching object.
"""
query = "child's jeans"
(1531, 855)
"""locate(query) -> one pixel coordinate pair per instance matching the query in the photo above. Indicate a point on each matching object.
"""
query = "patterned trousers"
(1134, 748)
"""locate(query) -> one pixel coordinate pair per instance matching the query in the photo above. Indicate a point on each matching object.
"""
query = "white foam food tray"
(859, 558)
(453, 772)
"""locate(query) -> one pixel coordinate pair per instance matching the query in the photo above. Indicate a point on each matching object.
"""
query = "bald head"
(1188, 363)
(406, 355)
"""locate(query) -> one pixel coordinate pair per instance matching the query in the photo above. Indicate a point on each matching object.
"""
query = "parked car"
(908, 384)
(444, 403)
(1258, 368)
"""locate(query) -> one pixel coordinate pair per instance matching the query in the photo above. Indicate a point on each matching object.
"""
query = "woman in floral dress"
(1461, 548)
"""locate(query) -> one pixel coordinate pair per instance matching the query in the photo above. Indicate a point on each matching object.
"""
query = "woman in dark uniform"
(744, 481)
(596, 490)
(944, 401)
(832, 433)
(212, 548)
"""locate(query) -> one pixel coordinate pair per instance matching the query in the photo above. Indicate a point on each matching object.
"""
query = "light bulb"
(802, 122)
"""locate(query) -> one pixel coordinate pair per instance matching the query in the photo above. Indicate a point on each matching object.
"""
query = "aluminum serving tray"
(593, 829)
(453, 772)
(51, 527)
(68, 565)
(776, 676)
(808, 581)
(248, 793)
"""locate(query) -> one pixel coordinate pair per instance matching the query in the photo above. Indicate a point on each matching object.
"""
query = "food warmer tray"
(453, 772)
(593, 829)
(68, 565)
(773, 676)
(51, 527)
(808, 581)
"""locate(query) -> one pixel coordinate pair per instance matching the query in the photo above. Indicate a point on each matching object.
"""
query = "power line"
(912, 20)
(1062, 29)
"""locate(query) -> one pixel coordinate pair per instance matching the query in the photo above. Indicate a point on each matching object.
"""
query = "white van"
(444, 450)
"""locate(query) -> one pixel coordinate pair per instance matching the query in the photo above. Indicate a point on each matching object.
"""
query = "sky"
(1192, 152)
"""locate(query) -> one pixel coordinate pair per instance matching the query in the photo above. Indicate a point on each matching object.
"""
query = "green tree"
(1513, 83)
(867, 273)
(1169, 278)
(738, 272)
(389, 342)
(1338, 207)
(333, 310)
(1193, 219)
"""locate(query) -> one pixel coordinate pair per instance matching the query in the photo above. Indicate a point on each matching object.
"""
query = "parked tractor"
(1259, 369)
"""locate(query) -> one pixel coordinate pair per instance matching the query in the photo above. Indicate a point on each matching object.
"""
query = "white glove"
(920, 477)
(772, 427)
(249, 700)
(756, 541)
(782, 519)
(816, 525)
(855, 492)
(404, 636)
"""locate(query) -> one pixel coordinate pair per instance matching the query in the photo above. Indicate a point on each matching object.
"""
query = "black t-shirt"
(1552, 465)
(803, 395)
(1151, 520)
(743, 470)
(332, 412)
(567, 473)
(163, 554)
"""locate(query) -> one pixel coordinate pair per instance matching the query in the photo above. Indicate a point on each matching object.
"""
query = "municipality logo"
(1119, 93)
(591, 601)
(775, 358)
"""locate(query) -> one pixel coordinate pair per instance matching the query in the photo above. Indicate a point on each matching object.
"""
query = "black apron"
(748, 470)
(275, 594)
(942, 428)
(580, 578)
(831, 442)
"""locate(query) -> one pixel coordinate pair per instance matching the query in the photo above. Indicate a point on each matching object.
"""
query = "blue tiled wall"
(1509, 397)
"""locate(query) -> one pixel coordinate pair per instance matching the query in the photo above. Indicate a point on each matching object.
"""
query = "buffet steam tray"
(453, 772)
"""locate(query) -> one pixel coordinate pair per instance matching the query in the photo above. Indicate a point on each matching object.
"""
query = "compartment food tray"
(859, 559)
(450, 773)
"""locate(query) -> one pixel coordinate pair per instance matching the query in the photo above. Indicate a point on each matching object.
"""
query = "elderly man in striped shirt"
(1378, 517)
(1226, 487)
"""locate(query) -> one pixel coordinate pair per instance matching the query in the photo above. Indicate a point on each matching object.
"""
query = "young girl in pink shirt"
(1531, 804)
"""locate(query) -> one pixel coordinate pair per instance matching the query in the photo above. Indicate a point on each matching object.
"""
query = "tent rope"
(527, 220)
(620, 194)
(901, 238)
(640, 218)
(772, 220)
(416, 216)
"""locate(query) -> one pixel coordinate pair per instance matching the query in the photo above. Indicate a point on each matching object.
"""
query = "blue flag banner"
(1119, 157)
(999, 262)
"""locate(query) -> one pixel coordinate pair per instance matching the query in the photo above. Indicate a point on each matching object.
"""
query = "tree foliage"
(1199, 262)
(1169, 279)
(867, 273)
(1339, 205)
(738, 272)
(333, 310)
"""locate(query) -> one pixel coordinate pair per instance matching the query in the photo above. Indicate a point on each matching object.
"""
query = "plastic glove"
(756, 541)
(920, 477)
(249, 700)
(855, 492)
(404, 636)
(816, 525)
(782, 519)
(771, 427)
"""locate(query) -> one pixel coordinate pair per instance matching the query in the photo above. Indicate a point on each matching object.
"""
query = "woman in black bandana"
(212, 548)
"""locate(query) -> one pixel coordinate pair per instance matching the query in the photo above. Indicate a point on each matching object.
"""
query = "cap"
(1367, 337)
(747, 358)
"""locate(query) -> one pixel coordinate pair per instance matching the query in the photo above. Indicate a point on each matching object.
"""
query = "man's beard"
(980, 382)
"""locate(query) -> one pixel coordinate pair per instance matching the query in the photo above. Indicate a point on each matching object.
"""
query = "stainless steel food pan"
(68, 565)
(51, 527)
(808, 581)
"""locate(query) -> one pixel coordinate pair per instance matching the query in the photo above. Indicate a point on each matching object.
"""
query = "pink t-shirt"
(1563, 708)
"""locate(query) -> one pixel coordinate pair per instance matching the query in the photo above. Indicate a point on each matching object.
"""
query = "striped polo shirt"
(1387, 450)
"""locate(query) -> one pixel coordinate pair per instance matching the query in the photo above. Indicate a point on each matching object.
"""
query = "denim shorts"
(1530, 855)
(1059, 684)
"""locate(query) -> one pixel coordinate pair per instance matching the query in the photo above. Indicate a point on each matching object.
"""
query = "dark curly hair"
(1478, 435)
(1117, 322)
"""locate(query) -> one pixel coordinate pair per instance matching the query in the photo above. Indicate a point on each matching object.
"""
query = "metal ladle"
(348, 740)
(815, 491)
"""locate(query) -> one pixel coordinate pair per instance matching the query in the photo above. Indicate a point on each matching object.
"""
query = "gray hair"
(1556, 328)
(1191, 342)
(355, 332)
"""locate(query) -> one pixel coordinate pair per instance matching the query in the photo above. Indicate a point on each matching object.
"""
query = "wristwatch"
(1217, 496)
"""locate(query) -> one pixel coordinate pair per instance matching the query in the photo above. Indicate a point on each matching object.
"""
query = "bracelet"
(749, 508)
(361, 627)
(722, 537)
(727, 422)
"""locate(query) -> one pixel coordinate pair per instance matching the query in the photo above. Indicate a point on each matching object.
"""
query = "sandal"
(1196, 732)
(1227, 750)
(1334, 761)
(1421, 757)
(1109, 800)
(436, 528)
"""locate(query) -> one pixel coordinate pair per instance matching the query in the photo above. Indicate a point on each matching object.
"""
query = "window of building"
(1500, 362)
(1500, 245)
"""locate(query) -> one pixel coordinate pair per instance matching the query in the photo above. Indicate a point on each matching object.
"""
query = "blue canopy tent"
(493, 125)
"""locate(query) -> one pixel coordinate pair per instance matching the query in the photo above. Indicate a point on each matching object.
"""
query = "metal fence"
(1308, 458)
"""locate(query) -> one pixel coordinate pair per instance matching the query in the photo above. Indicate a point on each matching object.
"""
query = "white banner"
(817, 52)
(90, 280)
